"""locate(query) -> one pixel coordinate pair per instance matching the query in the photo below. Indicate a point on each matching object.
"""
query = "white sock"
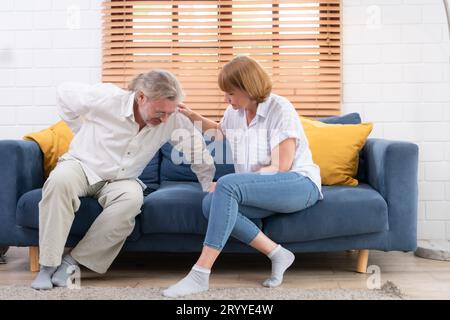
(281, 260)
(43, 280)
(65, 270)
(196, 281)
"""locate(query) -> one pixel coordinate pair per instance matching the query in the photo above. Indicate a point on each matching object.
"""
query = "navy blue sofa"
(380, 213)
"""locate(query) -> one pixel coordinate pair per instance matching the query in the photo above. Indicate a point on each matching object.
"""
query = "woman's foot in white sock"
(196, 281)
(281, 260)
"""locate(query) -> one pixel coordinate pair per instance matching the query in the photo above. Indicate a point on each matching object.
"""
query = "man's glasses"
(160, 114)
(163, 114)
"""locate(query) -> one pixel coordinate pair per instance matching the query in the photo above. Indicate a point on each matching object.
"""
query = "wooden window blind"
(296, 41)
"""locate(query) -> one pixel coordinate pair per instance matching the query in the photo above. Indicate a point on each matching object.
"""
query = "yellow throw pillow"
(54, 141)
(335, 149)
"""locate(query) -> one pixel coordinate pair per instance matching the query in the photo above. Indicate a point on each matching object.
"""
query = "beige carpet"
(388, 291)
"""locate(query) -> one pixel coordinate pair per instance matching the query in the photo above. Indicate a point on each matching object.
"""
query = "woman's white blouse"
(276, 120)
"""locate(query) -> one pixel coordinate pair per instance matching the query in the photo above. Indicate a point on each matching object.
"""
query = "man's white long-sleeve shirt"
(107, 141)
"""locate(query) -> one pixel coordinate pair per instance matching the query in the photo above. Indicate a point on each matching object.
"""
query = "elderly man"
(116, 134)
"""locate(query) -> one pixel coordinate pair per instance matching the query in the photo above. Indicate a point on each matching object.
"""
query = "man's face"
(154, 112)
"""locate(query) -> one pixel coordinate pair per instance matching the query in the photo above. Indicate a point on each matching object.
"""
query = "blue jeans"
(239, 197)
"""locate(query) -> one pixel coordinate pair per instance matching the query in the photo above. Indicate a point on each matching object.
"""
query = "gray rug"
(388, 291)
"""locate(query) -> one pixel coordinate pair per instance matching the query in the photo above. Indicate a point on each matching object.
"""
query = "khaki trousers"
(121, 202)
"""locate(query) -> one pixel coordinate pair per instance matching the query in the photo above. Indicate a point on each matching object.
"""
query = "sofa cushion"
(27, 214)
(350, 118)
(176, 207)
(150, 175)
(53, 141)
(335, 149)
(344, 211)
(182, 172)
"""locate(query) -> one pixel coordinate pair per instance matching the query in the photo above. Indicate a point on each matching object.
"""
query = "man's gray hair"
(158, 84)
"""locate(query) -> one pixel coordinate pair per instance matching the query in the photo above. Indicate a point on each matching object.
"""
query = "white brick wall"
(396, 73)
(42, 43)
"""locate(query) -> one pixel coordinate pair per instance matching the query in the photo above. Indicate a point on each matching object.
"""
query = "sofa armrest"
(392, 169)
(21, 170)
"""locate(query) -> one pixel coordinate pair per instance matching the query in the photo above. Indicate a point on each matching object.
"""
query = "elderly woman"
(274, 169)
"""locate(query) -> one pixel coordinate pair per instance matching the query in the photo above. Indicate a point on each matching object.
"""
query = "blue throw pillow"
(150, 175)
(182, 172)
(351, 118)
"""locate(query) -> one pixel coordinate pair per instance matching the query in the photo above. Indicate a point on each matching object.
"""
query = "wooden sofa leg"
(34, 258)
(363, 259)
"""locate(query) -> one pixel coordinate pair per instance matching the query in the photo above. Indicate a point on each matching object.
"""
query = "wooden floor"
(417, 278)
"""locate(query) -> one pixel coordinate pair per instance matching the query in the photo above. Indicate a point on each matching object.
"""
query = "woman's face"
(238, 99)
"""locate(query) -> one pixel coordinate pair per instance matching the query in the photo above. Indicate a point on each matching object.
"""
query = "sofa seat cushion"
(344, 211)
(176, 207)
(27, 214)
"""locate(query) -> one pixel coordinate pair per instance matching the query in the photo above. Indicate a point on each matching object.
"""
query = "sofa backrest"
(162, 168)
